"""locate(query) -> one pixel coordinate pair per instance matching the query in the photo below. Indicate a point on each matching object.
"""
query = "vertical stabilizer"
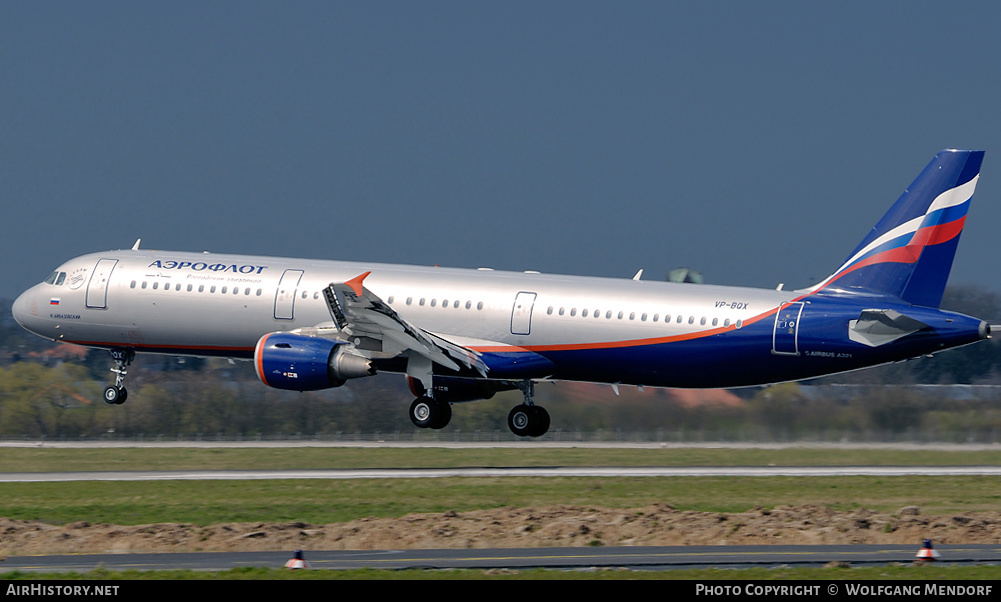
(909, 253)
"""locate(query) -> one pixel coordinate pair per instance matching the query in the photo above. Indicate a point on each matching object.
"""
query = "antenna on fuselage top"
(135, 247)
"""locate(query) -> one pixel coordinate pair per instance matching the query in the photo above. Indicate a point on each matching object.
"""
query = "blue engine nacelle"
(454, 390)
(302, 363)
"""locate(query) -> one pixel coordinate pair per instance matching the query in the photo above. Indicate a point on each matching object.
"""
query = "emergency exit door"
(521, 313)
(285, 295)
(785, 336)
(97, 287)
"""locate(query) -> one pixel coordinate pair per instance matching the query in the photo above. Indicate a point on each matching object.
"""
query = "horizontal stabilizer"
(877, 327)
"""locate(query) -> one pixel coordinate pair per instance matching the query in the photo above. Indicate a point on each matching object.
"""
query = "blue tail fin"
(909, 253)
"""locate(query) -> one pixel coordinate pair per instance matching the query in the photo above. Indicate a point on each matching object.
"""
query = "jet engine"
(298, 362)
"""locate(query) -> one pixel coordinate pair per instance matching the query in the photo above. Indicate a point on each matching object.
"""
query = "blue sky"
(756, 142)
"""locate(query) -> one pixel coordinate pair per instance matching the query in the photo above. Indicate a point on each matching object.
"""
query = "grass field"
(321, 501)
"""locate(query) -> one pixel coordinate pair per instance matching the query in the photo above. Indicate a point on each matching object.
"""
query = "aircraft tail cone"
(927, 552)
(298, 562)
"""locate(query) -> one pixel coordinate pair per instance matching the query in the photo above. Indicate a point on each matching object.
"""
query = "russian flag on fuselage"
(909, 253)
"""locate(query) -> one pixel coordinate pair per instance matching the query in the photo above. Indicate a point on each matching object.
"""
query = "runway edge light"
(298, 562)
(927, 552)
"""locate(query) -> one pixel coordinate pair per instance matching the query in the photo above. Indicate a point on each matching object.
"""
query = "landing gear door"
(97, 288)
(285, 295)
(785, 337)
(521, 313)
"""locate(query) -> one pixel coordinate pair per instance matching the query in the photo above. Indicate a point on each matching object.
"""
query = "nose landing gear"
(116, 394)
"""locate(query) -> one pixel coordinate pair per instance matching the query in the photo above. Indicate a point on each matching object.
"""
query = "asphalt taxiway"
(577, 558)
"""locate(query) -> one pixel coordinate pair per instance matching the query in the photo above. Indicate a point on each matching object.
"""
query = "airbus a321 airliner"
(462, 335)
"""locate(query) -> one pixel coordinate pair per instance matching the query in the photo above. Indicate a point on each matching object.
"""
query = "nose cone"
(25, 309)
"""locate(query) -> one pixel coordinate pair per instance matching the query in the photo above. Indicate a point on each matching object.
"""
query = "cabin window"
(133, 285)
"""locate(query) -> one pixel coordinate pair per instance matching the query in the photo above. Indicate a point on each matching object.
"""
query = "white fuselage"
(209, 304)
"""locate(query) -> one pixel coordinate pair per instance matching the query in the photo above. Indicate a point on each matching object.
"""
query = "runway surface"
(637, 558)
(424, 473)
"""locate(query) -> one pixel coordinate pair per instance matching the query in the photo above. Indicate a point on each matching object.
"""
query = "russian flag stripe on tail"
(909, 253)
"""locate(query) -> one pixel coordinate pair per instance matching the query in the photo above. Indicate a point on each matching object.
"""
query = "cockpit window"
(57, 278)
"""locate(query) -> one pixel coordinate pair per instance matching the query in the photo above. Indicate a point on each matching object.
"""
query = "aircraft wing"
(360, 314)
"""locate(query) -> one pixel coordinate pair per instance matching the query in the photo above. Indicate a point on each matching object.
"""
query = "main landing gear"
(116, 393)
(528, 419)
(427, 412)
(525, 420)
